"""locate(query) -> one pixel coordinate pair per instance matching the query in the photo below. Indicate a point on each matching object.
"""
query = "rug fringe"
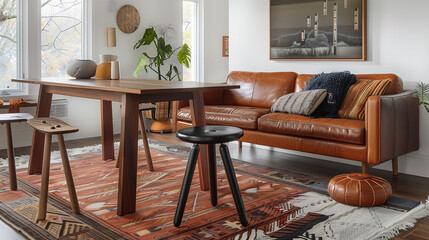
(407, 221)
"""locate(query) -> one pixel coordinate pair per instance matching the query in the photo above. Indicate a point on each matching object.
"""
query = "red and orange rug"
(278, 203)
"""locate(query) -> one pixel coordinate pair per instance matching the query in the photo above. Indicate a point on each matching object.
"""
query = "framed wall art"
(225, 46)
(318, 30)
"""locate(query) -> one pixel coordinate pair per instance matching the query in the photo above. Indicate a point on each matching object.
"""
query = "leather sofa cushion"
(237, 116)
(258, 89)
(334, 129)
(395, 87)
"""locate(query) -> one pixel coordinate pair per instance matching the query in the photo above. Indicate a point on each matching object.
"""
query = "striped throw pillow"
(302, 103)
(354, 104)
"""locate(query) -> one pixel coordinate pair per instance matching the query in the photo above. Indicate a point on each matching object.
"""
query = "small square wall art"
(318, 30)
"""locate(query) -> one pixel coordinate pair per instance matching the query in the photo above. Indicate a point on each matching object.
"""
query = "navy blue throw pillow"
(337, 84)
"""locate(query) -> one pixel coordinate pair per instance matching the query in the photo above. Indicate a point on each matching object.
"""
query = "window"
(190, 37)
(61, 35)
(9, 42)
(39, 43)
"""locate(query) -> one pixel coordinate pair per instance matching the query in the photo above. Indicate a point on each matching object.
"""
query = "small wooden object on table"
(7, 119)
(359, 189)
(49, 127)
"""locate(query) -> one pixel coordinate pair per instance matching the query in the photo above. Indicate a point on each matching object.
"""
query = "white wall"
(397, 43)
(216, 25)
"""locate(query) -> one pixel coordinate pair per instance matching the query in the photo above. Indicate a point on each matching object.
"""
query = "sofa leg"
(240, 144)
(365, 167)
(395, 167)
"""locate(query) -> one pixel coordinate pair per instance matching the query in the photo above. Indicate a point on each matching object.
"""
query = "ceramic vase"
(115, 70)
(103, 71)
(82, 69)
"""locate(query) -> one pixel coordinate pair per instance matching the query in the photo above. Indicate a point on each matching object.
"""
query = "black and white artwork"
(318, 29)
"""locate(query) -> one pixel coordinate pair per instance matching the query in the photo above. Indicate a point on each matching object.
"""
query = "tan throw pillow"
(354, 104)
(302, 103)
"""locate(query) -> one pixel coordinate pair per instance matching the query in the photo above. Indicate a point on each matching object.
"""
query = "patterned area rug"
(279, 204)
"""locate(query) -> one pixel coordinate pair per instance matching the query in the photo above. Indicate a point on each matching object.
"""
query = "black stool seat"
(210, 134)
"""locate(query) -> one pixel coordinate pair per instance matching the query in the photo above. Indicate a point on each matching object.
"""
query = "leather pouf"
(359, 189)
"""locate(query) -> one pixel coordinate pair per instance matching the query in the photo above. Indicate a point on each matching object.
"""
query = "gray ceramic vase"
(82, 69)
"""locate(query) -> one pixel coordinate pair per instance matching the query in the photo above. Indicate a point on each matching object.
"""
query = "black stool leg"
(230, 173)
(212, 171)
(186, 185)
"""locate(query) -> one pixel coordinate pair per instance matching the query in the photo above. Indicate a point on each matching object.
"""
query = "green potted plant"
(156, 63)
(423, 94)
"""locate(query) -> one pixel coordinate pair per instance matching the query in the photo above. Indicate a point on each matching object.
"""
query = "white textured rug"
(347, 222)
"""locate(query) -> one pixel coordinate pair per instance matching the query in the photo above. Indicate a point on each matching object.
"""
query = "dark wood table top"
(133, 86)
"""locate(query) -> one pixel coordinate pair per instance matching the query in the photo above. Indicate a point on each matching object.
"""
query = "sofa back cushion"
(258, 89)
(394, 88)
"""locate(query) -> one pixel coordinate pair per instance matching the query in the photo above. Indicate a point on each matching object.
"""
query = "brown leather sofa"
(390, 129)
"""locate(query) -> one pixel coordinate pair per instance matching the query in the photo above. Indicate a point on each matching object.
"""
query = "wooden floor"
(406, 186)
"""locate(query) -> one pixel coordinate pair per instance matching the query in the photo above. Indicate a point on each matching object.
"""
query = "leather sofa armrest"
(211, 97)
(392, 126)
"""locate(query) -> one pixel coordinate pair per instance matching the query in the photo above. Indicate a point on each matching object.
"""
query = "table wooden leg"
(36, 154)
(128, 170)
(11, 158)
(107, 143)
(199, 119)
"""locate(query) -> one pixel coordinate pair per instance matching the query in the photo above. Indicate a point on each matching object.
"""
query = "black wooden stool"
(49, 127)
(210, 135)
(7, 119)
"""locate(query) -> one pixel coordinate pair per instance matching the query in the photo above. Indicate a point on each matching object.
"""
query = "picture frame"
(225, 46)
(322, 30)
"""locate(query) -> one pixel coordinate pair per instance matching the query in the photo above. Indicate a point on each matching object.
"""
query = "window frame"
(198, 57)
(29, 52)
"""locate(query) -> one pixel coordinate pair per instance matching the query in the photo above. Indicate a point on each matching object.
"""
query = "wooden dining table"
(131, 92)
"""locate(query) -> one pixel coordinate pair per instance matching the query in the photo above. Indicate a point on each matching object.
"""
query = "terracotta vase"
(103, 71)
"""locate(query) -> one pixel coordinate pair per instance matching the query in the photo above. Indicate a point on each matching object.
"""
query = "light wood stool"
(142, 108)
(7, 119)
(49, 127)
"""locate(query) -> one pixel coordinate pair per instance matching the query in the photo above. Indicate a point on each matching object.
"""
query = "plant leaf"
(143, 62)
(177, 72)
(148, 37)
(170, 72)
(184, 55)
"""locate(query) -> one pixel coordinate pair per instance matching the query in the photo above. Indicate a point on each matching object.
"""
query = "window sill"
(27, 104)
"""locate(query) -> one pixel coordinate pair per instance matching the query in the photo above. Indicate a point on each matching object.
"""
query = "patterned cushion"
(303, 103)
(354, 105)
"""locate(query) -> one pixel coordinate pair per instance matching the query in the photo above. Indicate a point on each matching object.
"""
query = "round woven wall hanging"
(128, 19)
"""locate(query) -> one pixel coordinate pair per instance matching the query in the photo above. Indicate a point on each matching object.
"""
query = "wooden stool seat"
(146, 107)
(53, 126)
(14, 117)
(7, 119)
(210, 135)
